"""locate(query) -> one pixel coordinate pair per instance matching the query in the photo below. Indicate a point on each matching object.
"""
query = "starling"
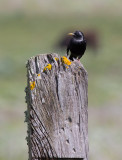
(76, 46)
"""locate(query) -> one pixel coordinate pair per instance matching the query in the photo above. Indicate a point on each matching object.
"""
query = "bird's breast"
(76, 43)
(77, 46)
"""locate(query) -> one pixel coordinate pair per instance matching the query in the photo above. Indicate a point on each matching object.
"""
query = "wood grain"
(57, 108)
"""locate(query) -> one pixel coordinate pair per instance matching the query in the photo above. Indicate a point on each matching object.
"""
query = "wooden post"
(57, 108)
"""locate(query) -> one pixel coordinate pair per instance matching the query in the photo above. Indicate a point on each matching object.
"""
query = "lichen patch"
(32, 85)
(48, 67)
(65, 60)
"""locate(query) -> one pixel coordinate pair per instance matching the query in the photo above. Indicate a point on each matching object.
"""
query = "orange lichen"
(32, 85)
(49, 67)
(65, 61)
(67, 67)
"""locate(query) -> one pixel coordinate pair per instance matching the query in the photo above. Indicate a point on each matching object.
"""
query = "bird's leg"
(67, 52)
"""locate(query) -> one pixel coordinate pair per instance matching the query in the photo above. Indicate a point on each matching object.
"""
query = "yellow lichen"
(49, 67)
(38, 74)
(65, 61)
(32, 85)
(67, 67)
(56, 58)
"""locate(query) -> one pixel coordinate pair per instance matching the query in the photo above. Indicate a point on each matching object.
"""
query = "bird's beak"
(71, 34)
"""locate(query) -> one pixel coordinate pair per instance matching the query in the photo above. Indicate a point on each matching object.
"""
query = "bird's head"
(77, 34)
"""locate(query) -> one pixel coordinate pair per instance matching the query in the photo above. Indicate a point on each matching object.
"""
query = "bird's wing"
(83, 44)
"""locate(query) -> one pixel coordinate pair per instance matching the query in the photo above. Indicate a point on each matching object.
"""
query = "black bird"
(76, 46)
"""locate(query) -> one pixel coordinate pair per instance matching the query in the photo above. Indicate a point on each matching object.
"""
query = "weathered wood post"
(57, 108)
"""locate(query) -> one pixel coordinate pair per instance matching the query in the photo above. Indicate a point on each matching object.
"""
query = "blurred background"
(28, 28)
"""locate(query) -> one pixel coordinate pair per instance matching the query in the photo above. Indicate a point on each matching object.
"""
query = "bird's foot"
(78, 60)
(74, 59)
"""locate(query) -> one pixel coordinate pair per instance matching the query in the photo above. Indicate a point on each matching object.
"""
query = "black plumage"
(76, 46)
